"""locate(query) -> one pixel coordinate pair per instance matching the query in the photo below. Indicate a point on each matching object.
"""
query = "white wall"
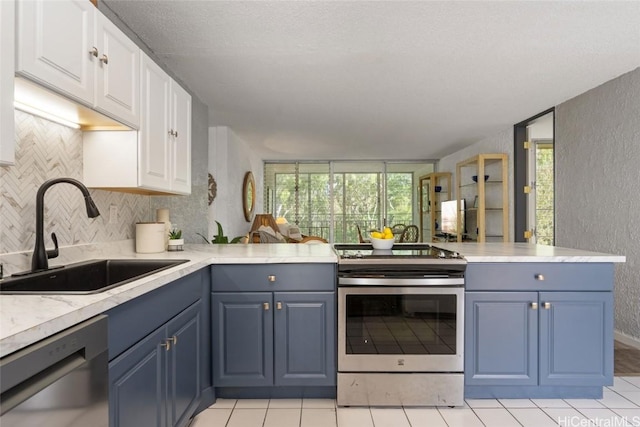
(500, 143)
(229, 160)
(597, 186)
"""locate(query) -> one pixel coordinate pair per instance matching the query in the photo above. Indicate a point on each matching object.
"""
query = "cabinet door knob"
(104, 59)
(547, 305)
(94, 52)
(534, 305)
(278, 305)
(271, 278)
(166, 345)
(173, 339)
(265, 305)
(539, 276)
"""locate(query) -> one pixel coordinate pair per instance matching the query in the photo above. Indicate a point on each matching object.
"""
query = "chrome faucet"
(40, 254)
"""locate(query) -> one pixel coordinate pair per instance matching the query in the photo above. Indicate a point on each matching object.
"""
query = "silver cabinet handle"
(175, 133)
(539, 277)
(94, 52)
(265, 305)
(166, 345)
(173, 339)
(271, 278)
(534, 305)
(104, 59)
(547, 305)
(278, 305)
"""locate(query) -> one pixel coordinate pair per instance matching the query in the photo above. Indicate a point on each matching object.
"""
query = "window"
(330, 199)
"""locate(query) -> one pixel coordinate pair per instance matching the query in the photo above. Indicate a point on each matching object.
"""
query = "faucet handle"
(53, 253)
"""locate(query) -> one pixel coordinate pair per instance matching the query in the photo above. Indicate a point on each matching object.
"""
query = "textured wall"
(229, 160)
(500, 143)
(46, 150)
(597, 185)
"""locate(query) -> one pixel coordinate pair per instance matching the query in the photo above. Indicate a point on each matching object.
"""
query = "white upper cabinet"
(155, 131)
(7, 124)
(181, 141)
(70, 47)
(157, 158)
(117, 89)
(165, 131)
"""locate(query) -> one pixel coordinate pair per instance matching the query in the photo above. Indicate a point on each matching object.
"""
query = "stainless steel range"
(400, 326)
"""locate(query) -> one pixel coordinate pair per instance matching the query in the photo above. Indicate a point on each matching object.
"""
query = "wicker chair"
(411, 234)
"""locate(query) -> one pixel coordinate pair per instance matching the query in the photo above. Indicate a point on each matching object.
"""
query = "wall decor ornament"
(213, 189)
(248, 196)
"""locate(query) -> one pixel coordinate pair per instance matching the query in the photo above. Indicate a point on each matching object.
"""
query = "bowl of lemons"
(382, 239)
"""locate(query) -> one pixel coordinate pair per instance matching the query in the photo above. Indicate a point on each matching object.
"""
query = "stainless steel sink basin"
(88, 277)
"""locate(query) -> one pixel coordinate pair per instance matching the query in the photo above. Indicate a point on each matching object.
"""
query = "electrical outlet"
(113, 214)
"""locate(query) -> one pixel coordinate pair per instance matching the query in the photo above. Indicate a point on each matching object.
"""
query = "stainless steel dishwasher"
(59, 381)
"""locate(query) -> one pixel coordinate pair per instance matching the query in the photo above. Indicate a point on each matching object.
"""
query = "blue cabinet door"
(576, 338)
(242, 324)
(305, 338)
(137, 384)
(184, 365)
(501, 338)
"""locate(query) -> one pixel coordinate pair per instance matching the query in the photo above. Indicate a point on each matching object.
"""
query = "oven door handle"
(371, 281)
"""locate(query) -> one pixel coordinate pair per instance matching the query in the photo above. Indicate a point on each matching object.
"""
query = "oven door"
(400, 329)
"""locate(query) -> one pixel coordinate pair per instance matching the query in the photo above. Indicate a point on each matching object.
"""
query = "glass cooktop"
(398, 251)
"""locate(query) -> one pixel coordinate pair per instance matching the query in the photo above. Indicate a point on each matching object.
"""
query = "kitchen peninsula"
(519, 303)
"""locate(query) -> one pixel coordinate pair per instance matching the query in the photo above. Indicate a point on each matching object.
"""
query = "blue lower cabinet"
(273, 339)
(304, 338)
(501, 338)
(549, 344)
(137, 384)
(157, 381)
(576, 338)
(242, 325)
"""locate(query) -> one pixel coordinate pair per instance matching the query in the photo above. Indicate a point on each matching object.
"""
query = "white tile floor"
(619, 407)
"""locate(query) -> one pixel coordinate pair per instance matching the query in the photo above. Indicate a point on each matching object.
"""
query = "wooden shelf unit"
(430, 201)
(492, 207)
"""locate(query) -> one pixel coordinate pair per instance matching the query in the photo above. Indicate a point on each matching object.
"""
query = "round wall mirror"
(248, 196)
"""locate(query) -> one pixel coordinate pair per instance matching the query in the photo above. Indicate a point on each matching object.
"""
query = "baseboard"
(626, 339)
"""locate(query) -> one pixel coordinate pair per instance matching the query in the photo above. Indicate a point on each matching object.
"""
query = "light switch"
(113, 214)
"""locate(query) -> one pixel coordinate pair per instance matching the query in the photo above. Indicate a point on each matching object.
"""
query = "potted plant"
(220, 237)
(176, 241)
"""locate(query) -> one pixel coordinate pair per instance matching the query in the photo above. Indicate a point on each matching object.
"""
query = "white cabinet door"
(55, 40)
(181, 140)
(7, 121)
(118, 73)
(154, 136)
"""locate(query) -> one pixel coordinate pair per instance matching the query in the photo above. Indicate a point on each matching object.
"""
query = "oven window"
(401, 324)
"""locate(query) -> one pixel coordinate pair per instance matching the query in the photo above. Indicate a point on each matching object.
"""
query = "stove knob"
(442, 255)
(359, 254)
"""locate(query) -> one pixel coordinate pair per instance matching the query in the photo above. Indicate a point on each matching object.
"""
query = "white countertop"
(525, 252)
(25, 319)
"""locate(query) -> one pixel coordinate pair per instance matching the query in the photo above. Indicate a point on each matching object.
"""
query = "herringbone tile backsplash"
(47, 150)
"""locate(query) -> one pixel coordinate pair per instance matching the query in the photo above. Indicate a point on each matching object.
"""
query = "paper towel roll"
(150, 237)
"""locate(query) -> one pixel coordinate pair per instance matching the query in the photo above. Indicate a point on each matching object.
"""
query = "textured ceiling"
(383, 80)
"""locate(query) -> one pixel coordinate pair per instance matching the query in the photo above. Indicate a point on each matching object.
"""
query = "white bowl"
(382, 243)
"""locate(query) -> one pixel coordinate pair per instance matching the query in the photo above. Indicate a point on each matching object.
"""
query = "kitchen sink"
(87, 277)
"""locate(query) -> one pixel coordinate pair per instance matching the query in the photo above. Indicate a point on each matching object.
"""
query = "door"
(501, 338)
(181, 140)
(576, 338)
(184, 364)
(242, 339)
(55, 39)
(137, 384)
(118, 73)
(154, 151)
(304, 338)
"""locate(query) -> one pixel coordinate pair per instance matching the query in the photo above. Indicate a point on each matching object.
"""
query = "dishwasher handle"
(27, 371)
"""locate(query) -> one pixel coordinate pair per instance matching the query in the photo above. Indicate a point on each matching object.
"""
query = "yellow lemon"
(376, 235)
(387, 235)
(387, 230)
